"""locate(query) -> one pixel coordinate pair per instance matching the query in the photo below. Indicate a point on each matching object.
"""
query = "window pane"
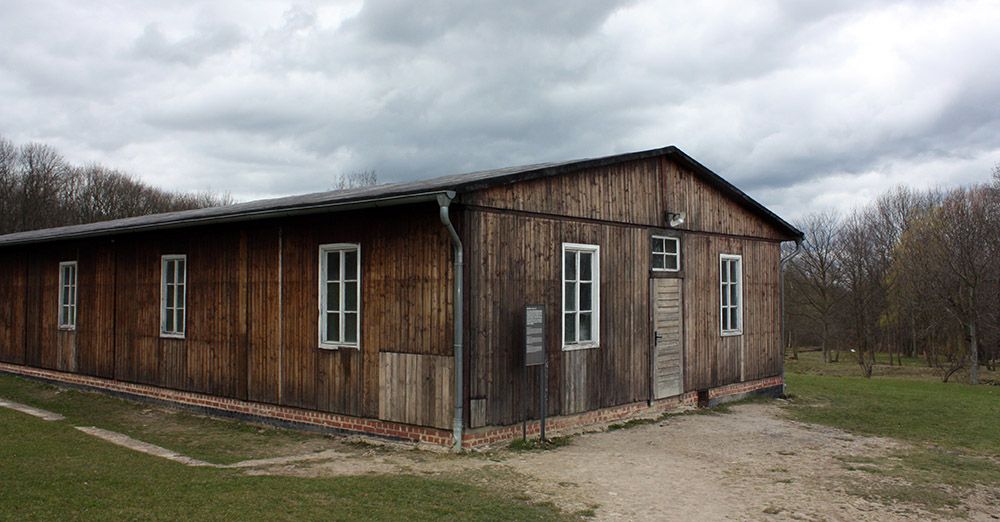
(585, 327)
(180, 320)
(569, 264)
(333, 297)
(670, 246)
(180, 296)
(670, 262)
(351, 265)
(734, 320)
(585, 266)
(725, 294)
(170, 296)
(657, 245)
(65, 294)
(734, 294)
(732, 271)
(169, 327)
(333, 266)
(168, 269)
(569, 325)
(570, 300)
(72, 275)
(332, 327)
(658, 262)
(350, 328)
(181, 265)
(351, 297)
(585, 298)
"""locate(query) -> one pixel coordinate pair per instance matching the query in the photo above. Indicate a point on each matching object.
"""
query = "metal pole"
(544, 395)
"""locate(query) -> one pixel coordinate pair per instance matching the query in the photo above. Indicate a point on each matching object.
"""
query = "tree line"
(913, 273)
(40, 189)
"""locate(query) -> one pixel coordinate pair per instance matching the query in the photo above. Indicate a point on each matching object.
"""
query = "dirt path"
(751, 464)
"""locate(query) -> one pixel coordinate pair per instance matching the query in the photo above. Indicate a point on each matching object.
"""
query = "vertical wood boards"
(416, 389)
(13, 288)
(252, 311)
(710, 358)
(519, 261)
(668, 348)
(635, 192)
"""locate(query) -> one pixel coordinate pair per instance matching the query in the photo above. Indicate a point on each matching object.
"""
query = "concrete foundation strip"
(157, 451)
(23, 408)
(142, 447)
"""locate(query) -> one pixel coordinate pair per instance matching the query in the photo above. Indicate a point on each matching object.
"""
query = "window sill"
(733, 333)
(339, 347)
(67, 328)
(580, 346)
(165, 335)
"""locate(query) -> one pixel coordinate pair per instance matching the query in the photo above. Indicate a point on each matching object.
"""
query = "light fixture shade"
(675, 219)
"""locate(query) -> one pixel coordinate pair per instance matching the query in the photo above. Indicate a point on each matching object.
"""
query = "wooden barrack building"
(398, 310)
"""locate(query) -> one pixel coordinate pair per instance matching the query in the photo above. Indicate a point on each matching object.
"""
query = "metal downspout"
(444, 201)
(781, 303)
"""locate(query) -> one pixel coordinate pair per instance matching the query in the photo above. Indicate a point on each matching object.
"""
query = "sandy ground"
(751, 464)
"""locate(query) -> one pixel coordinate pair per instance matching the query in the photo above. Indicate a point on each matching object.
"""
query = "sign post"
(534, 355)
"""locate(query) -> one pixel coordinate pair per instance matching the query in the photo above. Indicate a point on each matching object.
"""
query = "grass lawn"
(51, 471)
(213, 440)
(955, 429)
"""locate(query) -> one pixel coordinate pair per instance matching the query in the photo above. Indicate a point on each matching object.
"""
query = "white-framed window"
(731, 293)
(666, 253)
(67, 295)
(173, 295)
(581, 310)
(340, 295)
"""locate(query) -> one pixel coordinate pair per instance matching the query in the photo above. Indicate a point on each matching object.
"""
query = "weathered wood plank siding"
(13, 281)
(252, 312)
(517, 231)
(518, 261)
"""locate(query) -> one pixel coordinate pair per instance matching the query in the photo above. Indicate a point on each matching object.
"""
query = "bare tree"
(39, 189)
(356, 179)
(817, 278)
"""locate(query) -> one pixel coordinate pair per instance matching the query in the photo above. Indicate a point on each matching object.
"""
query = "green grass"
(219, 441)
(51, 471)
(811, 363)
(954, 429)
(954, 416)
(536, 444)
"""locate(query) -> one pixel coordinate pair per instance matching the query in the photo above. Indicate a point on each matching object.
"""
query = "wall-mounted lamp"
(675, 219)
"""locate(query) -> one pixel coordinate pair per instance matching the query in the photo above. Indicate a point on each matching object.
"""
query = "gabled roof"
(385, 195)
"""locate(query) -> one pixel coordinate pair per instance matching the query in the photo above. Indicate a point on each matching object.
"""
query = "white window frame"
(323, 251)
(67, 310)
(179, 307)
(677, 242)
(595, 322)
(724, 291)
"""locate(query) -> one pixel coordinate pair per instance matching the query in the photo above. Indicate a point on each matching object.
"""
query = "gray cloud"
(804, 104)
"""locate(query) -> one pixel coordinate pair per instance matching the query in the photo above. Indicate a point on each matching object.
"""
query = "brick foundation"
(332, 422)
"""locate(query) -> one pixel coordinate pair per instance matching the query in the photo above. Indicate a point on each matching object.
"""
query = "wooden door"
(668, 337)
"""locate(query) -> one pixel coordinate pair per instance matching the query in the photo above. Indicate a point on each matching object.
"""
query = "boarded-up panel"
(416, 389)
(669, 337)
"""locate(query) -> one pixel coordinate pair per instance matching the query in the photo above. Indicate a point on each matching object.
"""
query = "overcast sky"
(804, 105)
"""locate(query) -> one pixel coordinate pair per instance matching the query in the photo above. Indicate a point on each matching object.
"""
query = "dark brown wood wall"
(711, 359)
(517, 261)
(634, 192)
(516, 233)
(252, 311)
